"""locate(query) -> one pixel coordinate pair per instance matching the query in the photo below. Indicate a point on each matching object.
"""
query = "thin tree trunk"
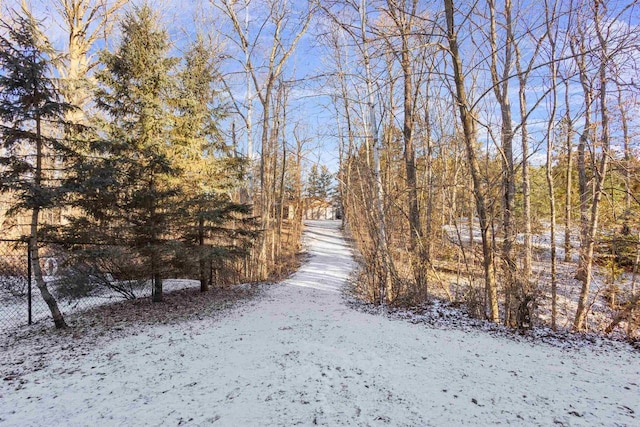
(404, 21)
(389, 269)
(552, 196)
(350, 138)
(501, 90)
(635, 268)
(341, 163)
(472, 216)
(298, 214)
(248, 95)
(428, 244)
(56, 314)
(550, 18)
(478, 184)
(626, 140)
(263, 267)
(415, 242)
(525, 291)
(281, 191)
(204, 282)
(634, 295)
(586, 253)
(155, 254)
(578, 51)
(568, 177)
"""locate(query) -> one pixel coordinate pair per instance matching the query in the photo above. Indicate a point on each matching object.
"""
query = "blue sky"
(308, 107)
(309, 104)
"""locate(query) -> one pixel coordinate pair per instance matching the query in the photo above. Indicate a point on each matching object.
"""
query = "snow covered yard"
(14, 311)
(298, 355)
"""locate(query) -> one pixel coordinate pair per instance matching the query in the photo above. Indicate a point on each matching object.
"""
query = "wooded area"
(463, 128)
(486, 152)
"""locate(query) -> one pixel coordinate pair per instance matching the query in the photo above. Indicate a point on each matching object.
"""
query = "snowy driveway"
(299, 356)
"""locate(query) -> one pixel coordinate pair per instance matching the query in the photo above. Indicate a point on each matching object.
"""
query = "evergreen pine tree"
(208, 172)
(126, 187)
(319, 183)
(326, 183)
(313, 182)
(29, 102)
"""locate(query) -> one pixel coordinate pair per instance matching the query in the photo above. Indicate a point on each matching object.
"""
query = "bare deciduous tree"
(479, 190)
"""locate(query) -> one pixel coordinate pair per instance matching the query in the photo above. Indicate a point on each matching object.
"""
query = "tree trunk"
(156, 293)
(568, 178)
(628, 156)
(586, 253)
(636, 262)
(56, 314)
(404, 22)
(281, 189)
(49, 299)
(415, 242)
(578, 51)
(552, 200)
(549, 166)
(501, 90)
(388, 265)
(265, 198)
(204, 277)
(526, 289)
(468, 126)
(428, 244)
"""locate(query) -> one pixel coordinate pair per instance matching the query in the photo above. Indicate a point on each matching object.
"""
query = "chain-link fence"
(15, 287)
(82, 276)
(73, 285)
(21, 303)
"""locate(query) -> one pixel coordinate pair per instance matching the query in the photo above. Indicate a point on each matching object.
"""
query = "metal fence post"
(29, 280)
(211, 284)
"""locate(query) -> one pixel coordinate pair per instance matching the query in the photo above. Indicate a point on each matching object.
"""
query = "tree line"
(469, 130)
(127, 143)
(487, 151)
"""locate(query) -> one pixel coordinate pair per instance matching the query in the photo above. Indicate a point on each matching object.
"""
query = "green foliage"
(125, 182)
(29, 103)
(155, 180)
(320, 183)
(208, 171)
(31, 112)
(197, 117)
(125, 189)
(197, 147)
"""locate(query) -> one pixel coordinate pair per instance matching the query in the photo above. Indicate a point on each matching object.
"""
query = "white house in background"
(320, 209)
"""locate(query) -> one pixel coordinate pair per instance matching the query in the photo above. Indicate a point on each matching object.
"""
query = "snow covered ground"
(14, 312)
(600, 313)
(298, 355)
